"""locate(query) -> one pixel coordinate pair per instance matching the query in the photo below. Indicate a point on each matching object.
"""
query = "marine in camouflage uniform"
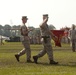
(25, 41)
(72, 35)
(45, 34)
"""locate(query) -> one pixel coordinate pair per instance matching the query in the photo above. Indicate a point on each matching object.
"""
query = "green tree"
(51, 27)
(1, 30)
(7, 31)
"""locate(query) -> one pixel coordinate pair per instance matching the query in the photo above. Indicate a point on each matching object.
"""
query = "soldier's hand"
(45, 20)
(30, 30)
(56, 37)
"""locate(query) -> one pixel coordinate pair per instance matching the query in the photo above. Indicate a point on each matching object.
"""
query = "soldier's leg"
(50, 54)
(28, 51)
(22, 52)
(73, 45)
(40, 54)
(49, 51)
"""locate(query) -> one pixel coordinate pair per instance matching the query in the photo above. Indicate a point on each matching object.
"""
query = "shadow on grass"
(15, 63)
(70, 64)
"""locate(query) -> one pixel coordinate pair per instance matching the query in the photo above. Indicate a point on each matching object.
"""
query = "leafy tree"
(51, 27)
(7, 31)
(1, 30)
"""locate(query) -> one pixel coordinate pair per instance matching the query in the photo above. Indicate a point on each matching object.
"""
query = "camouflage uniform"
(46, 38)
(46, 43)
(25, 41)
(72, 34)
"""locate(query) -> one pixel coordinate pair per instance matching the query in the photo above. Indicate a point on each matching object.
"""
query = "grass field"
(9, 65)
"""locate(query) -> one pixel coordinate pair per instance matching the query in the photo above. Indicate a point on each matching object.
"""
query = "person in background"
(72, 36)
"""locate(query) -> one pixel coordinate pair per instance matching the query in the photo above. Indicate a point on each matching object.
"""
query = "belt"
(25, 35)
(45, 36)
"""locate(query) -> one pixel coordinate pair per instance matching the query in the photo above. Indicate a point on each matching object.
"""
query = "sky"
(62, 13)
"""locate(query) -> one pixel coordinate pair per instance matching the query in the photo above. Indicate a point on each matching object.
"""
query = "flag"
(59, 34)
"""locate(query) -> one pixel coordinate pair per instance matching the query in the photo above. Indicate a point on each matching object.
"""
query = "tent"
(4, 37)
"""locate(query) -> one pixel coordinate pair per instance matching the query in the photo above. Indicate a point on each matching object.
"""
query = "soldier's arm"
(69, 34)
(29, 30)
(24, 32)
(52, 35)
(43, 23)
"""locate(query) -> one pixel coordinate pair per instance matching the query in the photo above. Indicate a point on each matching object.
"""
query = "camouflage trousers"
(73, 44)
(47, 48)
(26, 50)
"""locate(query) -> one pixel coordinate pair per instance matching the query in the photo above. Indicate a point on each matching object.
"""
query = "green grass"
(9, 65)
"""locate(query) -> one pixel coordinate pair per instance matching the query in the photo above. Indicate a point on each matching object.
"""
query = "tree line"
(13, 31)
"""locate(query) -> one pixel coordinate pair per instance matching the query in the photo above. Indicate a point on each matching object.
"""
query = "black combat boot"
(35, 59)
(17, 57)
(53, 62)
